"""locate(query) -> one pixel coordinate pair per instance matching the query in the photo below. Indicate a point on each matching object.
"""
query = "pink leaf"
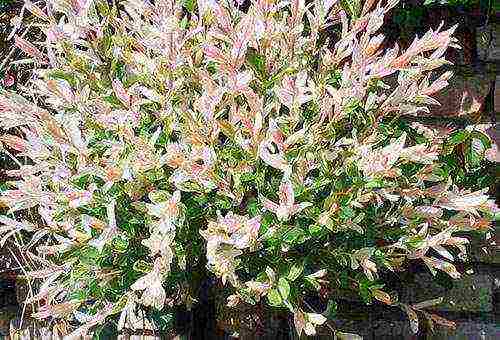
(30, 49)
(9, 79)
(275, 160)
(61, 88)
(121, 92)
(269, 205)
(244, 33)
(214, 54)
(442, 265)
(286, 193)
(299, 321)
(223, 18)
(35, 10)
(14, 142)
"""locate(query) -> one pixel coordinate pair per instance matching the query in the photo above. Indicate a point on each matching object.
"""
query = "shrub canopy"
(277, 145)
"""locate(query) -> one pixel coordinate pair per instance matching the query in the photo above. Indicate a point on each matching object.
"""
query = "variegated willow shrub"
(278, 146)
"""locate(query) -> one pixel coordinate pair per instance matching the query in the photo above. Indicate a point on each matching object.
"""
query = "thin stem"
(9, 270)
(29, 284)
(12, 157)
(13, 49)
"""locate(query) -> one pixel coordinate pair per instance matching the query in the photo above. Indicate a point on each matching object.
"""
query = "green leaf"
(120, 244)
(142, 266)
(58, 74)
(274, 298)
(347, 213)
(352, 7)
(184, 23)
(415, 242)
(164, 321)
(295, 271)
(315, 230)
(485, 139)
(458, 137)
(120, 304)
(189, 5)
(347, 336)
(78, 295)
(313, 282)
(474, 152)
(222, 202)
(257, 61)
(284, 288)
(103, 7)
(295, 236)
(376, 183)
(331, 309)
(253, 207)
(248, 298)
(113, 100)
(89, 255)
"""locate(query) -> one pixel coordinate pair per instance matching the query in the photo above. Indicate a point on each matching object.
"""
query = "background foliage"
(175, 141)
